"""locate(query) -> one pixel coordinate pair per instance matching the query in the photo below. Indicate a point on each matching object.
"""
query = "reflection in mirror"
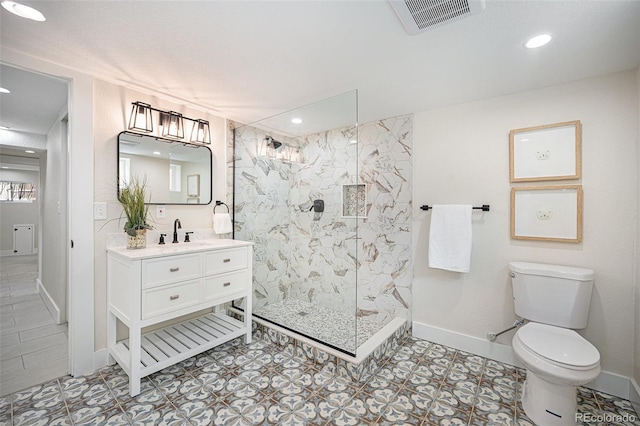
(168, 166)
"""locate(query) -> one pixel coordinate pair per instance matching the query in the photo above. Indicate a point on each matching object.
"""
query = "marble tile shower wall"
(323, 264)
(385, 272)
(315, 260)
(262, 214)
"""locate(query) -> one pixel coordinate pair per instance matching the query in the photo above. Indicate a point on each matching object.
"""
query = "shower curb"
(357, 369)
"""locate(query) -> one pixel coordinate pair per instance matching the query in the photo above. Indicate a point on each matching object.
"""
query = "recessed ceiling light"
(23, 11)
(3, 90)
(296, 120)
(28, 151)
(157, 152)
(5, 167)
(537, 41)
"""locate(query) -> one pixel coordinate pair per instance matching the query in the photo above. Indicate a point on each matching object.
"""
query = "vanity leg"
(134, 361)
(247, 319)
(111, 336)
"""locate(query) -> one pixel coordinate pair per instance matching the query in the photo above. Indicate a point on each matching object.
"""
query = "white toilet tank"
(552, 294)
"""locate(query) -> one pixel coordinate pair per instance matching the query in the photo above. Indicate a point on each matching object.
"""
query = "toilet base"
(549, 404)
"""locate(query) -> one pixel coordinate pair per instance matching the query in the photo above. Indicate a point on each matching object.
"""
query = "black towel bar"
(484, 207)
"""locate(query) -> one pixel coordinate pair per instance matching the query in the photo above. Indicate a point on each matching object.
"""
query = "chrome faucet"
(176, 225)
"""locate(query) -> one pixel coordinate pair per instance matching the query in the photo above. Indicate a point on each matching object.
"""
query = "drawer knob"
(226, 260)
(174, 297)
(176, 269)
(226, 284)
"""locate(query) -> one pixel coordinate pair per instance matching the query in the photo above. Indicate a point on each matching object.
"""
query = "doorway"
(34, 330)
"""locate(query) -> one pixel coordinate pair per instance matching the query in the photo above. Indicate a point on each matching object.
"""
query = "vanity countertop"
(169, 249)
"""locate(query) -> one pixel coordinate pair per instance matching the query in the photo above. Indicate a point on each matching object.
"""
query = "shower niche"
(354, 201)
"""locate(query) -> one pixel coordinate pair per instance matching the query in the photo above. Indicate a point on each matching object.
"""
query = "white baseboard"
(610, 383)
(634, 395)
(49, 303)
(463, 342)
(100, 358)
(7, 253)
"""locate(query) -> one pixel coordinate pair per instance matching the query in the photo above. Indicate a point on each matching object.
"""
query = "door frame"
(80, 258)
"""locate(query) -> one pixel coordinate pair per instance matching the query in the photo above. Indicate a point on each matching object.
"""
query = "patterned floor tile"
(242, 412)
(337, 407)
(47, 397)
(42, 417)
(99, 416)
(455, 418)
(265, 384)
(293, 410)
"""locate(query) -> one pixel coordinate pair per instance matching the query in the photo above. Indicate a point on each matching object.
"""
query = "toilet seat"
(559, 346)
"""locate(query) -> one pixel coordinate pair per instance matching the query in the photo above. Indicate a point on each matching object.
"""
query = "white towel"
(222, 223)
(450, 238)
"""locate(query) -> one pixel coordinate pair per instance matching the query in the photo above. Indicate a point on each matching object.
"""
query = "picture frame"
(547, 152)
(547, 213)
(193, 186)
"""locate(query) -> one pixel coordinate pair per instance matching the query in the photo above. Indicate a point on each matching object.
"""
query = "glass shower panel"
(295, 193)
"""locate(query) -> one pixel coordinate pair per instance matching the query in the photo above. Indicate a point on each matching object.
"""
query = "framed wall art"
(548, 152)
(547, 213)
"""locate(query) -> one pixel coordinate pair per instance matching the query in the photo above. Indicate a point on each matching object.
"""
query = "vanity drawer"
(172, 269)
(219, 261)
(221, 285)
(160, 300)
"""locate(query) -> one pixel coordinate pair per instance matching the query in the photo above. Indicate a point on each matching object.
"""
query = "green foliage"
(132, 198)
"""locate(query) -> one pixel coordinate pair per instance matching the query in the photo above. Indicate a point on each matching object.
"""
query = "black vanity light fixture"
(200, 132)
(171, 123)
(141, 119)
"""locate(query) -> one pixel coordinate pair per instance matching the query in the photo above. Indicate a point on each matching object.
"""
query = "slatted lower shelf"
(162, 348)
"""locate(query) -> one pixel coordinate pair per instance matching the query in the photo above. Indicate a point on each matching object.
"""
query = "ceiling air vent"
(422, 15)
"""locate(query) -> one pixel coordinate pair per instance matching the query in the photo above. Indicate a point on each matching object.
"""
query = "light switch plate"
(99, 211)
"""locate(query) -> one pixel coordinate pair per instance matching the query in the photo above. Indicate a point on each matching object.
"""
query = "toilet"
(555, 300)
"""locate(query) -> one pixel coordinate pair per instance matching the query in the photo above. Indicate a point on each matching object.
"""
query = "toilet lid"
(559, 345)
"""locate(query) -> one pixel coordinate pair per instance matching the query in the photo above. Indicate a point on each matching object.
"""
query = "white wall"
(53, 273)
(462, 156)
(24, 140)
(637, 254)
(112, 106)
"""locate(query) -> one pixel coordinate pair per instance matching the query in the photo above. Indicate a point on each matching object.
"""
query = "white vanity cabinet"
(149, 286)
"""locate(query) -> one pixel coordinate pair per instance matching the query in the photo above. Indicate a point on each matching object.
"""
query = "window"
(175, 183)
(124, 171)
(17, 191)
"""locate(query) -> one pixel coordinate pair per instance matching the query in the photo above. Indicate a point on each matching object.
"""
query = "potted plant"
(132, 199)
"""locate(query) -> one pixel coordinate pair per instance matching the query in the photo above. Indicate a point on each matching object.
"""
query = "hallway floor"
(33, 348)
(265, 384)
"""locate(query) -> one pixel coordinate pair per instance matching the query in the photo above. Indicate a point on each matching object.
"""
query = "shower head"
(271, 142)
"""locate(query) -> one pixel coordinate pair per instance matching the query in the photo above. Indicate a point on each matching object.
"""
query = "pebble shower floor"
(265, 384)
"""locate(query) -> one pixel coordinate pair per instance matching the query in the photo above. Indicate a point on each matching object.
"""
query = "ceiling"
(247, 60)
(35, 101)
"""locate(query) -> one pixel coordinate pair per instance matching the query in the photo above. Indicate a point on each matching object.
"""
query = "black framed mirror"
(176, 172)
